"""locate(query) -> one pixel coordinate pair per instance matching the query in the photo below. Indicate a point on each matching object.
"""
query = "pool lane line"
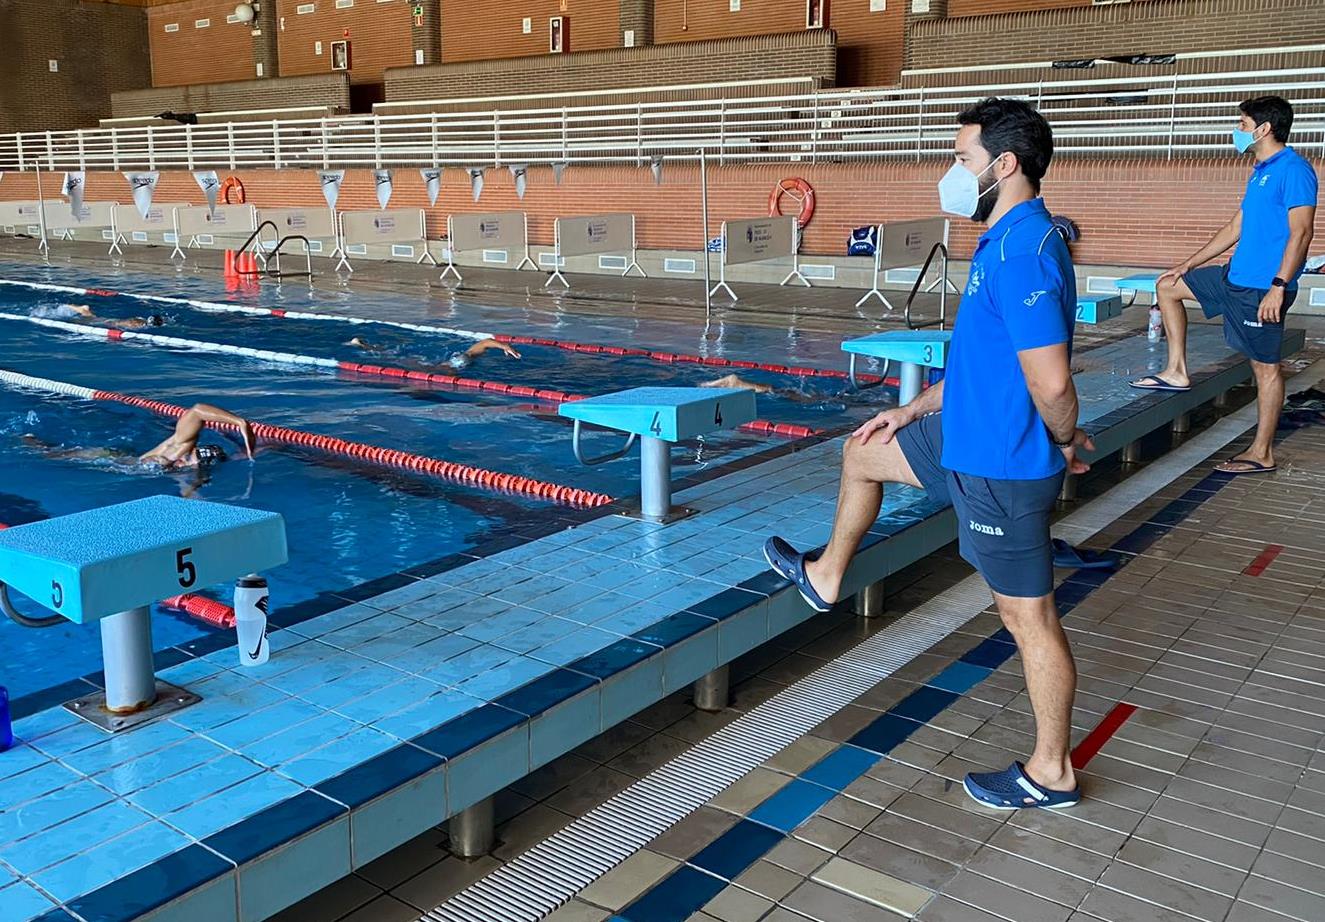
(1089, 747)
(450, 471)
(112, 334)
(224, 307)
(1263, 560)
(670, 358)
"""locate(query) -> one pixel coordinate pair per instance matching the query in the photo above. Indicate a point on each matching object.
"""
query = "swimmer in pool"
(81, 313)
(736, 381)
(179, 452)
(458, 360)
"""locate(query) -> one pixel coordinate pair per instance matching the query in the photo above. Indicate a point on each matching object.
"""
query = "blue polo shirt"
(1277, 185)
(1022, 294)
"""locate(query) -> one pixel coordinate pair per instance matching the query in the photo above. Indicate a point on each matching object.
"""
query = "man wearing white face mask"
(994, 438)
(1272, 231)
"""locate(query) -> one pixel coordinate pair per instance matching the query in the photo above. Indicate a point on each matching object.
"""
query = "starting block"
(1136, 284)
(659, 417)
(912, 350)
(1098, 308)
(111, 564)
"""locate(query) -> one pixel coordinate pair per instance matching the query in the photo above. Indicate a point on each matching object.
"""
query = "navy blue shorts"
(1002, 525)
(1243, 331)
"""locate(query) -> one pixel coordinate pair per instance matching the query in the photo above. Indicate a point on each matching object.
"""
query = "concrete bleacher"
(380, 719)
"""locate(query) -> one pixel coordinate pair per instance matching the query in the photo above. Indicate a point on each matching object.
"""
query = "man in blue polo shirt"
(994, 438)
(1272, 231)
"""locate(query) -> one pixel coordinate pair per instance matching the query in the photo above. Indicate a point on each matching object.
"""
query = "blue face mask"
(1243, 140)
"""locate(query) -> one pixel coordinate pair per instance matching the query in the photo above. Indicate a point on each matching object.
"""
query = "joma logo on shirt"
(986, 529)
(1035, 296)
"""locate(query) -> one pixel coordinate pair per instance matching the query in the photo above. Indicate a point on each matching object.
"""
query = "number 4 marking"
(656, 426)
(717, 414)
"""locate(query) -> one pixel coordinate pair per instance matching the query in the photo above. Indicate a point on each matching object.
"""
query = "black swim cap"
(156, 320)
(210, 454)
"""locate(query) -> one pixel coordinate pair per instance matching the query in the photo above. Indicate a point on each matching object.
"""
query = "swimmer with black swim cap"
(81, 313)
(457, 361)
(182, 450)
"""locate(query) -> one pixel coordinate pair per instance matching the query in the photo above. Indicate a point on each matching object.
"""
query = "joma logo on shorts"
(986, 529)
(1252, 323)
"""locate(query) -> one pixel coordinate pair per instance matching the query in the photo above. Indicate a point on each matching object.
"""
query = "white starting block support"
(659, 417)
(1093, 309)
(1136, 284)
(111, 564)
(912, 350)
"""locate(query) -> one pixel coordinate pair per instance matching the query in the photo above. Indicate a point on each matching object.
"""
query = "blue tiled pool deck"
(375, 722)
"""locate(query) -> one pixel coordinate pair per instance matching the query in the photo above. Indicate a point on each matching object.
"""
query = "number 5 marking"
(188, 573)
(57, 594)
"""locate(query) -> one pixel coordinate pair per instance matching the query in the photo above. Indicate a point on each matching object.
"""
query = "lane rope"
(450, 471)
(670, 358)
(111, 334)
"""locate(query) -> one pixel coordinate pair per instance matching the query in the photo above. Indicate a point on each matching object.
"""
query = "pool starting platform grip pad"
(88, 565)
(672, 414)
(915, 347)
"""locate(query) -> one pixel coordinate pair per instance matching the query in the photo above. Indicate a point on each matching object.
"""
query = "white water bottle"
(251, 620)
(1156, 327)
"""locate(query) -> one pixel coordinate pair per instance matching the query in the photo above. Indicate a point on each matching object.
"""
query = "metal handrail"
(942, 250)
(1182, 115)
(275, 256)
(601, 459)
(254, 236)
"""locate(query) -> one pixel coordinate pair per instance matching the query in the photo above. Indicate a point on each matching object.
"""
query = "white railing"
(1162, 117)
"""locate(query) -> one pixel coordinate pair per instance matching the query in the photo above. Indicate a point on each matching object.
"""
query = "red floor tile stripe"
(1263, 560)
(1095, 740)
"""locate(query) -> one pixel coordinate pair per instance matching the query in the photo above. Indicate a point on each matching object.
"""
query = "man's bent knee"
(1265, 371)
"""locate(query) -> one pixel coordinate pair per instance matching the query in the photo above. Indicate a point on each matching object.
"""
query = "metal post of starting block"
(912, 378)
(1183, 424)
(868, 602)
(1132, 452)
(126, 655)
(655, 479)
(472, 832)
(713, 690)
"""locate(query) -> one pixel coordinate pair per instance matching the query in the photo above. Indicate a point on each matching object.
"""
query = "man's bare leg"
(866, 467)
(1269, 406)
(1051, 682)
(1170, 299)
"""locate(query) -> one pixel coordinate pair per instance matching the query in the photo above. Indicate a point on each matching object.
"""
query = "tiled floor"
(1207, 803)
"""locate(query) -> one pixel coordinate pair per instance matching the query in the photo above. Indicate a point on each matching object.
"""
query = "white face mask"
(959, 190)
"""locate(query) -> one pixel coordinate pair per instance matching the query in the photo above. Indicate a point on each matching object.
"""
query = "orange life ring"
(232, 182)
(799, 190)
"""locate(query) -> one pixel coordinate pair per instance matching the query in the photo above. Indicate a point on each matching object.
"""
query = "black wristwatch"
(1277, 282)
(1070, 439)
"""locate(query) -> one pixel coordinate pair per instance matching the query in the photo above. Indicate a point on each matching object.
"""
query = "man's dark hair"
(1012, 126)
(1275, 110)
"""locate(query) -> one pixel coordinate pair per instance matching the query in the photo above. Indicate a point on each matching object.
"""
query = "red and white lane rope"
(762, 426)
(226, 308)
(444, 470)
(671, 358)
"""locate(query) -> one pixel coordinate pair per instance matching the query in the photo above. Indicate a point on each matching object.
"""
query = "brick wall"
(802, 54)
(1151, 26)
(476, 30)
(986, 7)
(99, 48)
(218, 53)
(696, 20)
(869, 42)
(1144, 213)
(379, 37)
(319, 90)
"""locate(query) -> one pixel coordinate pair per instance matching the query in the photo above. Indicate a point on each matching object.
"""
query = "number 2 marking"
(1081, 311)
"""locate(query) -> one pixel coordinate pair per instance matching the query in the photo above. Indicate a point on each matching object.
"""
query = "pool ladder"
(273, 256)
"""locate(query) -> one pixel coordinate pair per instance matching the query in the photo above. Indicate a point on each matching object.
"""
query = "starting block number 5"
(187, 576)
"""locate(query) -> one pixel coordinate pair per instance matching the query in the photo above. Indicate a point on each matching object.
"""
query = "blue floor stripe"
(674, 900)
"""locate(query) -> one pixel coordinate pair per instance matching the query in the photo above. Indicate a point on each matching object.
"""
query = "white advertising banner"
(382, 181)
(501, 230)
(756, 239)
(232, 220)
(331, 181)
(604, 233)
(394, 226)
(158, 219)
(210, 184)
(309, 222)
(907, 243)
(432, 181)
(72, 188)
(61, 216)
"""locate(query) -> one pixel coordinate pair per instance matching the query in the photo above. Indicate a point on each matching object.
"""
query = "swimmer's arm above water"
(190, 425)
(483, 346)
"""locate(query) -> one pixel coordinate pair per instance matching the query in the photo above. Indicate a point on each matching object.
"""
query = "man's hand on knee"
(885, 425)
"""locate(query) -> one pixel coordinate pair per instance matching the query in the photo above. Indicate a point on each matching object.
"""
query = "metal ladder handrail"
(254, 236)
(275, 254)
(941, 249)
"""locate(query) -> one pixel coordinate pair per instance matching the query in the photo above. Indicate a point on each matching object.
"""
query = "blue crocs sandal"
(1012, 789)
(790, 564)
(1067, 557)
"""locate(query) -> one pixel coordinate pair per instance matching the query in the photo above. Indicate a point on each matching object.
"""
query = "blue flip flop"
(790, 564)
(1013, 789)
(1156, 383)
(1067, 557)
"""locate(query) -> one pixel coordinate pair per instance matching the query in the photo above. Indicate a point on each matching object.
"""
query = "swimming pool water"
(348, 522)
